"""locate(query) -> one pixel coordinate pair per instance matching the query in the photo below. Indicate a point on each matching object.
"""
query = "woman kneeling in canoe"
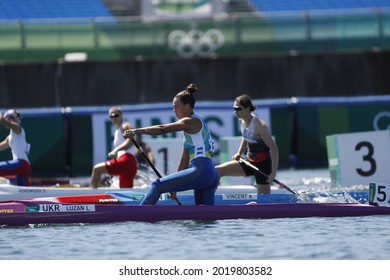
(258, 145)
(122, 161)
(196, 168)
(16, 141)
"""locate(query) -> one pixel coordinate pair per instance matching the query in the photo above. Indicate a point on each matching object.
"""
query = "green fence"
(242, 34)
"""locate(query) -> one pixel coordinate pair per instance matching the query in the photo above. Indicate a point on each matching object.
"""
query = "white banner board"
(359, 158)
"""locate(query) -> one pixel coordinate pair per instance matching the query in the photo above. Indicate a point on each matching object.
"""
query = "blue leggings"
(18, 167)
(201, 176)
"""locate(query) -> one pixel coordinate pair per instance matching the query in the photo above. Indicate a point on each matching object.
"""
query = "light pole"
(68, 58)
(66, 111)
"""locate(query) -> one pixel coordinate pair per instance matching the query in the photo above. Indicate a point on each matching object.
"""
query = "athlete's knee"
(98, 169)
(155, 186)
(219, 171)
(263, 189)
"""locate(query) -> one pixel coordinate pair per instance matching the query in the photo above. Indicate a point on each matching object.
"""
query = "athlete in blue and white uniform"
(196, 168)
(16, 141)
(258, 146)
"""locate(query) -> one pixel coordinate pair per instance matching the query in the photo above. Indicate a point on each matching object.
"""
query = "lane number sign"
(359, 158)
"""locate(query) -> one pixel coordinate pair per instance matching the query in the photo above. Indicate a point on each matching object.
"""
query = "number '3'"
(367, 157)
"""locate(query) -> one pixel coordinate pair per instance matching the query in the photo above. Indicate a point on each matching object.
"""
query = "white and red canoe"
(21, 213)
(10, 192)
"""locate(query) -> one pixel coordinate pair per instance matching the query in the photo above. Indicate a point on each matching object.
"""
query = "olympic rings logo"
(196, 42)
(383, 118)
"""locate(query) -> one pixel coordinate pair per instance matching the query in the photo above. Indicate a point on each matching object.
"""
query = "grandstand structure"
(301, 48)
(52, 9)
(316, 5)
(33, 9)
(32, 30)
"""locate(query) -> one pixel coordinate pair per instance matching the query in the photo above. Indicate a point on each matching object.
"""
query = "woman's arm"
(4, 144)
(14, 126)
(241, 149)
(189, 125)
(184, 160)
(262, 129)
(148, 151)
(125, 144)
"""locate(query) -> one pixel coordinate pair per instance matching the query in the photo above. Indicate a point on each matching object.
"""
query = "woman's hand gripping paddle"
(172, 195)
(262, 173)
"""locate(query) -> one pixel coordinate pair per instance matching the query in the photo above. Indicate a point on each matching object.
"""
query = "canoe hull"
(48, 214)
(134, 198)
(11, 192)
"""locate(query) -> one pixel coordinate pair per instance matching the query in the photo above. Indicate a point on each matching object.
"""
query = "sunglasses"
(114, 115)
(236, 109)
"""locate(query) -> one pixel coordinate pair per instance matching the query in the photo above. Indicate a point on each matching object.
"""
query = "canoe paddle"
(262, 173)
(172, 195)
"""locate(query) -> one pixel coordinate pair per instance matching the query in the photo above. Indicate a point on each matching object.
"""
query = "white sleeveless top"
(19, 147)
(119, 139)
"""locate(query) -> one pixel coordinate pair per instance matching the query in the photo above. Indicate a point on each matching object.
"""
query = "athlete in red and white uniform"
(16, 141)
(123, 163)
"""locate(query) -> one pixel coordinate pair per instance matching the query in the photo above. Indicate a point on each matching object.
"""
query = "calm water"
(347, 238)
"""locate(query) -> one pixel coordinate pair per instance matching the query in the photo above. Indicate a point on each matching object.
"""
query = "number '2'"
(368, 157)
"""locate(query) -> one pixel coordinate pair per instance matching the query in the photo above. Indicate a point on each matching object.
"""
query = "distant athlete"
(123, 162)
(16, 141)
